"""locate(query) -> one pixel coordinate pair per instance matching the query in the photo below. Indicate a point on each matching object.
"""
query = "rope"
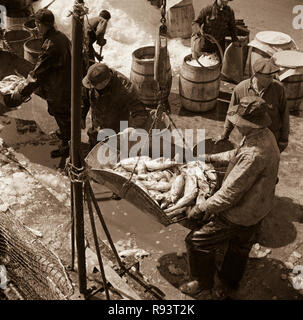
(76, 175)
(160, 108)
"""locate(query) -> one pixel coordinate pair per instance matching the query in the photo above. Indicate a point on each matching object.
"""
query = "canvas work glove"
(197, 45)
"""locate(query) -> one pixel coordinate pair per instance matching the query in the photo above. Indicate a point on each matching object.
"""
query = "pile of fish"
(9, 84)
(175, 187)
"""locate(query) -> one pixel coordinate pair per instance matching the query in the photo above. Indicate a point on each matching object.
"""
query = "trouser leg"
(64, 123)
(236, 257)
(201, 247)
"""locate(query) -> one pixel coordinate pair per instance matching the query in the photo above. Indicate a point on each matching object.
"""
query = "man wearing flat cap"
(113, 99)
(232, 215)
(263, 84)
(52, 77)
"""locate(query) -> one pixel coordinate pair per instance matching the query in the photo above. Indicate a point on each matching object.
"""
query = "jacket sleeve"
(232, 26)
(284, 112)
(198, 22)
(228, 126)
(223, 158)
(240, 179)
(46, 60)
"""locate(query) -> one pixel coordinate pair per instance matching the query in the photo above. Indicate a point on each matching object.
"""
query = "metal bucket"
(15, 37)
(32, 50)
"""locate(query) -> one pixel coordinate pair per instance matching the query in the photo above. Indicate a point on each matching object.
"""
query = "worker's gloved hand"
(197, 45)
(17, 98)
(205, 158)
(195, 213)
(282, 145)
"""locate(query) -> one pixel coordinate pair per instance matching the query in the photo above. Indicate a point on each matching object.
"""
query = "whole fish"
(177, 187)
(160, 164)
(190, 193)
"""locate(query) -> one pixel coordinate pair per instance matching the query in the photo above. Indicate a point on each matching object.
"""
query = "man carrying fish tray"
(263, 84)
(113, 99)
(232, 215)
(52, 77)
(216, 20)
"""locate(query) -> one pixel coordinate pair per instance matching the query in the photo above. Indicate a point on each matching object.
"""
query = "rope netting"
(37, 272)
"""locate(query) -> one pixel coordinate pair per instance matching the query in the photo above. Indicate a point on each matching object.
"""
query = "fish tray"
(115, 181)
(132, 192)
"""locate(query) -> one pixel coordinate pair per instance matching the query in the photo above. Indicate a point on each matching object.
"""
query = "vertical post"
(76, 83)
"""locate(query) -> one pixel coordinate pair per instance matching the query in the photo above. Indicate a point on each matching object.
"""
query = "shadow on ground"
(262, 279)
(277, 229)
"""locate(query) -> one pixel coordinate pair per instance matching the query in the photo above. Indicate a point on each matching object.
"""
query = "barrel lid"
(273, 37)
(289, 59)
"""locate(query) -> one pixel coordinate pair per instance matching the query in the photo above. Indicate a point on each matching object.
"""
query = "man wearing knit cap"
(52, 77)
(113, 99)
(263, 84)
(232, 215)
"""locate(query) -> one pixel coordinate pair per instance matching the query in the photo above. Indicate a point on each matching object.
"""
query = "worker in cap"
(217, 20)
(230, 217)
(263, 84)
(94, 32)
(95, 29)
(113, 99)
(51, 78)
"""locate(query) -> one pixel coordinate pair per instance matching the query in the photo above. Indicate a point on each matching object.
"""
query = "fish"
(177, 187)
(158, 186)
(160, 164)
(190, 193)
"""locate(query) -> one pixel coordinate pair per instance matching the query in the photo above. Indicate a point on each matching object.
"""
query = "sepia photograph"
(151, 153)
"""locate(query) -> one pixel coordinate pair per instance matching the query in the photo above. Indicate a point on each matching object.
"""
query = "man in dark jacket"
(217, 20)
(232, 215)
(94, 32)
(52, 77)
(113, 99)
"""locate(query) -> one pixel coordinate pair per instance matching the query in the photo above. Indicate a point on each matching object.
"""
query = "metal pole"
(76, 83)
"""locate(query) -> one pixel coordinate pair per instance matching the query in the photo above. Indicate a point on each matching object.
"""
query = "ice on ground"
(134, 24)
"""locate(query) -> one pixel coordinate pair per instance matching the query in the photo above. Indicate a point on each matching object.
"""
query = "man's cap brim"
(241, 122)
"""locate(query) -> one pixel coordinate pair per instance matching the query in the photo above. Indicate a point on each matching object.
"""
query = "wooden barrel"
(179, 20)
(291, 75)
(199, 86)
(15, 39)
(142, 75)
(32, 49)
(294, 92)
(259, 48)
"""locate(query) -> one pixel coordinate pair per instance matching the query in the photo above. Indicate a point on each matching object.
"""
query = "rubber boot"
(202, 266)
